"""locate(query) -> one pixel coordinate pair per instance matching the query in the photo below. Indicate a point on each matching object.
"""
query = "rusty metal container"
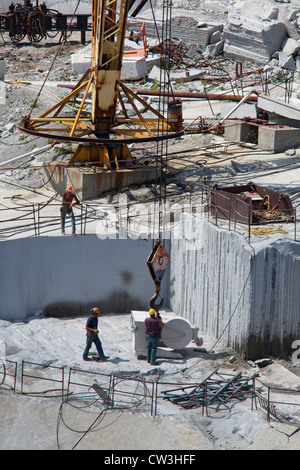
(251, 204)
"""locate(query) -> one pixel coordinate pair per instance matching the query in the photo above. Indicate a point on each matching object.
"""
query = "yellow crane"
(102, 134)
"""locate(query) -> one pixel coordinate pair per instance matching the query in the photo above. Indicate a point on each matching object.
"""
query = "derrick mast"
(108, 35)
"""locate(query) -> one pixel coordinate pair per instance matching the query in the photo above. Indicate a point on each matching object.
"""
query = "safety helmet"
(152, 311)
(69, 189)
(95, 310)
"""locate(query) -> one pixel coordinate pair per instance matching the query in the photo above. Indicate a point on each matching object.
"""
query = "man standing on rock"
(66, 209)
(153, 327)
(92, 336)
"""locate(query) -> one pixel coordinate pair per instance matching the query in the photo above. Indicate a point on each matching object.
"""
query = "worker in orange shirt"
(67, 208)
(92, 336)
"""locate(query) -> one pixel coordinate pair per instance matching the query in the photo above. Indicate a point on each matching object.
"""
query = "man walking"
(66, 208)
(153, 327)
(92, 336)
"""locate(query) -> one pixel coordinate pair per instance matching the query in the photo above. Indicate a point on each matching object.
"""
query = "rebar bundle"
(217, 389)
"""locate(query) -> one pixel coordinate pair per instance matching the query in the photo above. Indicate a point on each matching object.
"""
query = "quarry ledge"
(245, 295)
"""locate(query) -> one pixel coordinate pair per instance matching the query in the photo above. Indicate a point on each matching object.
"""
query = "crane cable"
(164, 79)
(53, 61)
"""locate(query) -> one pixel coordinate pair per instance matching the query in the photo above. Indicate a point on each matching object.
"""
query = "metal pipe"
(182, 94)
(236, 107)
(211, 96)
(32, 152)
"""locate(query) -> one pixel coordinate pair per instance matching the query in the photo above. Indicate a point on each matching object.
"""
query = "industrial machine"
(103, 134)
(251, 204)
(36, 22)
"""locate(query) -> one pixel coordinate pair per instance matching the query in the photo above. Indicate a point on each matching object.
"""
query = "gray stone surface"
(273, 37)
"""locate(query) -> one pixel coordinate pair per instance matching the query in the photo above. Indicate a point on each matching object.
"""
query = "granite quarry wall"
(246, 295)
(66, 276)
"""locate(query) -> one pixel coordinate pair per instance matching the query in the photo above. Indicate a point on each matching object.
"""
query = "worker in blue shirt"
(92, 336)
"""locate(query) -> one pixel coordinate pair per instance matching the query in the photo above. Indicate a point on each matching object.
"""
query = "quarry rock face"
(253, 39)
(258, 34)
(273, 38)
(245, 295)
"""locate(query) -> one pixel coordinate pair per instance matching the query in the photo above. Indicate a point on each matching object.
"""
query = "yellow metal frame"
(103, 81)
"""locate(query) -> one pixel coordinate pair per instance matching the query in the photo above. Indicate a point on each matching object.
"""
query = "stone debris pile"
(271, 35)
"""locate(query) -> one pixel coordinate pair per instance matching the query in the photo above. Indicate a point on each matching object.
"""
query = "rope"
(266, 230)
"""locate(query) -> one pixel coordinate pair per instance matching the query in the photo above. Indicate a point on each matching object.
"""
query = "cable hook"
(152, 302)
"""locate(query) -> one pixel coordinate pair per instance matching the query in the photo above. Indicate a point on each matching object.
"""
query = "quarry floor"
(39, 419)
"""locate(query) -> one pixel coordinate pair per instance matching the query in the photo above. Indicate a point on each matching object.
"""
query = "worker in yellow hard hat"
(153, 325)
(66, 209)
(92, 335)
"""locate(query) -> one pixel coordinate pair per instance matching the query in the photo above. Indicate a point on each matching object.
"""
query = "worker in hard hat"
(67, 208)
(153, 325)
(92, 335)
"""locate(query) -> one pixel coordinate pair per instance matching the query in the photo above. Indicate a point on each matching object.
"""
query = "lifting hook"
(157, 263)
(155, 297)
